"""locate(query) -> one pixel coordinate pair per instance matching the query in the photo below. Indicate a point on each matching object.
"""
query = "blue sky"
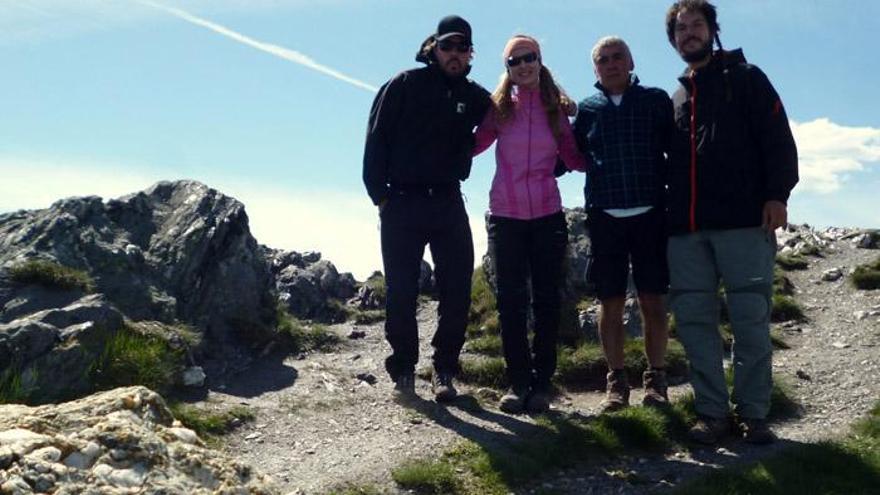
(267, 100)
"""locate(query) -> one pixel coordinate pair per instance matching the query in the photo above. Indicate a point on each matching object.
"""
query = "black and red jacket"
(732, 149)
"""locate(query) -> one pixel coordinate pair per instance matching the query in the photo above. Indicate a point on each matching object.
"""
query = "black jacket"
(421, 131)
(739, 154)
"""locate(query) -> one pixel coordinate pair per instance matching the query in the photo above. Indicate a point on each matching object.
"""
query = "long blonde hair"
(553, 97)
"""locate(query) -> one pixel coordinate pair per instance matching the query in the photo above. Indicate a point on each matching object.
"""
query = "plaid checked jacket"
(629, 145)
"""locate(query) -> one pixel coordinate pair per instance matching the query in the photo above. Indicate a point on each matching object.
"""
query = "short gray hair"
(606, 41)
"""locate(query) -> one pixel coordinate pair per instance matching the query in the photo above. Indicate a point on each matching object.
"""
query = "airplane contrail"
(279, 51)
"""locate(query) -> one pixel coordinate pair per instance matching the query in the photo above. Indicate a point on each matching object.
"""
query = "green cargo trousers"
(741, 259)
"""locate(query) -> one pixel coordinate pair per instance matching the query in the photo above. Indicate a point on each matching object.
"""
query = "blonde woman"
(526, 226)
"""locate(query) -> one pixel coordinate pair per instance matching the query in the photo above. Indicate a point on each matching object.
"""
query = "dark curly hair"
(701, 6)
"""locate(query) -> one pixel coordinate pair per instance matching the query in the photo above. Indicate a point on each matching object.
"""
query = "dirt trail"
(318, 424)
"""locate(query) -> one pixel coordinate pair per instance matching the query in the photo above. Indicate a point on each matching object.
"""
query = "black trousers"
(410, 220)
(524, 250)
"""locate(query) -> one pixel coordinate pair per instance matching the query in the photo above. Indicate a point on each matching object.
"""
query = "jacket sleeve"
(486, 133)
(568, 148)
(772, 133)
(663, 130)
(382, 122)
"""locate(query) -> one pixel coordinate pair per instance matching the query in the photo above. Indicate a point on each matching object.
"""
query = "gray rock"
(194, 376)
(177, 251)
(832, 274)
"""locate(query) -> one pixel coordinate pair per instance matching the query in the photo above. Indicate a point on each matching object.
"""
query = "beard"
(700, 54)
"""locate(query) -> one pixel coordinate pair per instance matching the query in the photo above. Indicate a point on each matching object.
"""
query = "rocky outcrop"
(53, 349)
(121, 441)
(307, 286)
(179, 251)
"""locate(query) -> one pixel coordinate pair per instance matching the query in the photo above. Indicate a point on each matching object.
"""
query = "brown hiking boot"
(708, 430)
(616, 391)
(655, 388)
(444, 389)
(756, 431)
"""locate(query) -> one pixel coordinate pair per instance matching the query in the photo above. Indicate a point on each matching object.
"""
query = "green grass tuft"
(785, 308)
(484, 372)
(132, 358)
(11, 390)
(305, 337)
(483, 315)
(52, 275)
(867, 276)
(427, 477)
(850, 466)
(209, 425)
(489, 345)
(376, 281)
(789, 262)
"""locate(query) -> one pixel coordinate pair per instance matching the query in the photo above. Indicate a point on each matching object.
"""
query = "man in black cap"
(418, 150)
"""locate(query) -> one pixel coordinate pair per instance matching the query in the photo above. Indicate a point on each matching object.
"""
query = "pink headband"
(520, 42)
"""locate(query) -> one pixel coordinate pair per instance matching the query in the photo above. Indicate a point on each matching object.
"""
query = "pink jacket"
(524, 186)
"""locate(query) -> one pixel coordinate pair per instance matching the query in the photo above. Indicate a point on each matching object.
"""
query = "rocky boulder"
(121, 441)
(178, 251)
(52, 350)
(307, 285)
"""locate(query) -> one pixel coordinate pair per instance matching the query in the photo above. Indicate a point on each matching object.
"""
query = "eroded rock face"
(119, 441)
(178, 251)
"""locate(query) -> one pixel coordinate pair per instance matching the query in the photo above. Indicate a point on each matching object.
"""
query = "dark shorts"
(617, 243)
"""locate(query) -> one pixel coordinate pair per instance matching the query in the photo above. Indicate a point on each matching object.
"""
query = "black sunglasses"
(527, 58)
(446, 46)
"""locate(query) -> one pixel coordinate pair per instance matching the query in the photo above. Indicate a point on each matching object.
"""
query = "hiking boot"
(756, 431)
(708, 430)
(539, 400)
(405, 385)
(441, 384)
(514, 401)
(655, 383)
(616, 391)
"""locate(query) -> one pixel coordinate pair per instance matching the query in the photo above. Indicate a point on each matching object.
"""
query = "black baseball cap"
(453, 25)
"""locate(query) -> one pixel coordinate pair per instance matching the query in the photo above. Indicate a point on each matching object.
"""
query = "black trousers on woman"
(523, 251)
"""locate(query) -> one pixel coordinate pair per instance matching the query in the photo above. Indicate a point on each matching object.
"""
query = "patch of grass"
(789, 262)
(305, 337)
(132, 358)
(585, 366)
(483, 315)
(489, 345)
(427, 477)
(52, 275)
(785, 308)
(210, 425)
(867, 276)
(11, 390)
(781, 283)
(484, 372)
(850, 466)
(376, 281)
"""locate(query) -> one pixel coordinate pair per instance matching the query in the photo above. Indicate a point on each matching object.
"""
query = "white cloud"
(830, 152)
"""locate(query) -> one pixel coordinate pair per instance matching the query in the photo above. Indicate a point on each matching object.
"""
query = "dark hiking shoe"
(756, 431)
(539, 401)
(444, 390)
(405, 385)
(616, 392)
(514, 401)
(708, 430)
(655, 388)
